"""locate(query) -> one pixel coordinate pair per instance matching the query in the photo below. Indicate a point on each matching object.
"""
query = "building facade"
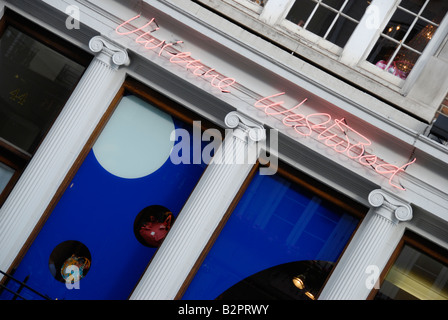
(224, 149)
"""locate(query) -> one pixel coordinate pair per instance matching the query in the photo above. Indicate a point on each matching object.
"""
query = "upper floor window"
(387, 47)
(332, 20)
(406, 35)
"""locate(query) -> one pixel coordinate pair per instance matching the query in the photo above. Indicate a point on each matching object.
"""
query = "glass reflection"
(276, 222)
(6, 174)
(407, 34)
(332, 20)
(415, 276)
(35, 83)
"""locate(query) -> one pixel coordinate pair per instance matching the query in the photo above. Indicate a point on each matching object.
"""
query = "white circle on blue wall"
(136, 140)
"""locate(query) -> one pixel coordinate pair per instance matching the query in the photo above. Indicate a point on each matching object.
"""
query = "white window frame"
(361, 42)
(402, 85)
(319, 41)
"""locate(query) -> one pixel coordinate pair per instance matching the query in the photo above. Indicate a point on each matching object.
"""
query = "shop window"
(38, 73)
(280, 242)
(120, 200)
(332, 20)
(416, 274)
(406, 35)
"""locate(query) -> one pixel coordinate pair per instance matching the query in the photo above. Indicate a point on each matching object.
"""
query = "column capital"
(245, 127)
(109, 52)
(395, 207)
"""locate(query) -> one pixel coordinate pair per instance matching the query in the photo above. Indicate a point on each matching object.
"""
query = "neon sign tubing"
(362, 156)
(301, 121)
(175, 56)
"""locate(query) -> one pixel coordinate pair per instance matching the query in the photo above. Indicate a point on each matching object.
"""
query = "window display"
(278, 232)
(120, 204)
(415, 276)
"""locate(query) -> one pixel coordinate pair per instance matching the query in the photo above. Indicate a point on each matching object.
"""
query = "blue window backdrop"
(277, 227)
(127, 170)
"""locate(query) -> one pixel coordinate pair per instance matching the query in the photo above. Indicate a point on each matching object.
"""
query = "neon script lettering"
(334, 133)
(168, 50)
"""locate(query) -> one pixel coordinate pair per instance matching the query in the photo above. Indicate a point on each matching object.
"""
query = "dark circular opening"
(67, 257)
(152, 225)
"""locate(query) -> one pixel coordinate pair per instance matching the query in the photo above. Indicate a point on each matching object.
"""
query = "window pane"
(6, 174)
(417, 38)
(405, 61)
(35, 83)
(281, 242)
(420, 35)
(415, 276)
(356, 8)
(321, 21)
(341, 31)
(300, 12)
(413, 5)
(398, 25)
(435, 10)
(382, 52)
(329, 19)
(337, 4)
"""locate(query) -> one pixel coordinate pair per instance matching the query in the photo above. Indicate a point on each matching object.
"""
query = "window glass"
(119, 206)
(406, 35)
(415, 276)
(333, 20)
(280, 242)
(6, 174)
(35, 83)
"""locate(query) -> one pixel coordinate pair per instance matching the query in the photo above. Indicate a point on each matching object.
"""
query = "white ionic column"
(59, 150)
(203, 211)
(358, 270)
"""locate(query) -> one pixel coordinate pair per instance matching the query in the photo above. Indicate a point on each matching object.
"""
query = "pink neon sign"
(168, 49)
(334, 133)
